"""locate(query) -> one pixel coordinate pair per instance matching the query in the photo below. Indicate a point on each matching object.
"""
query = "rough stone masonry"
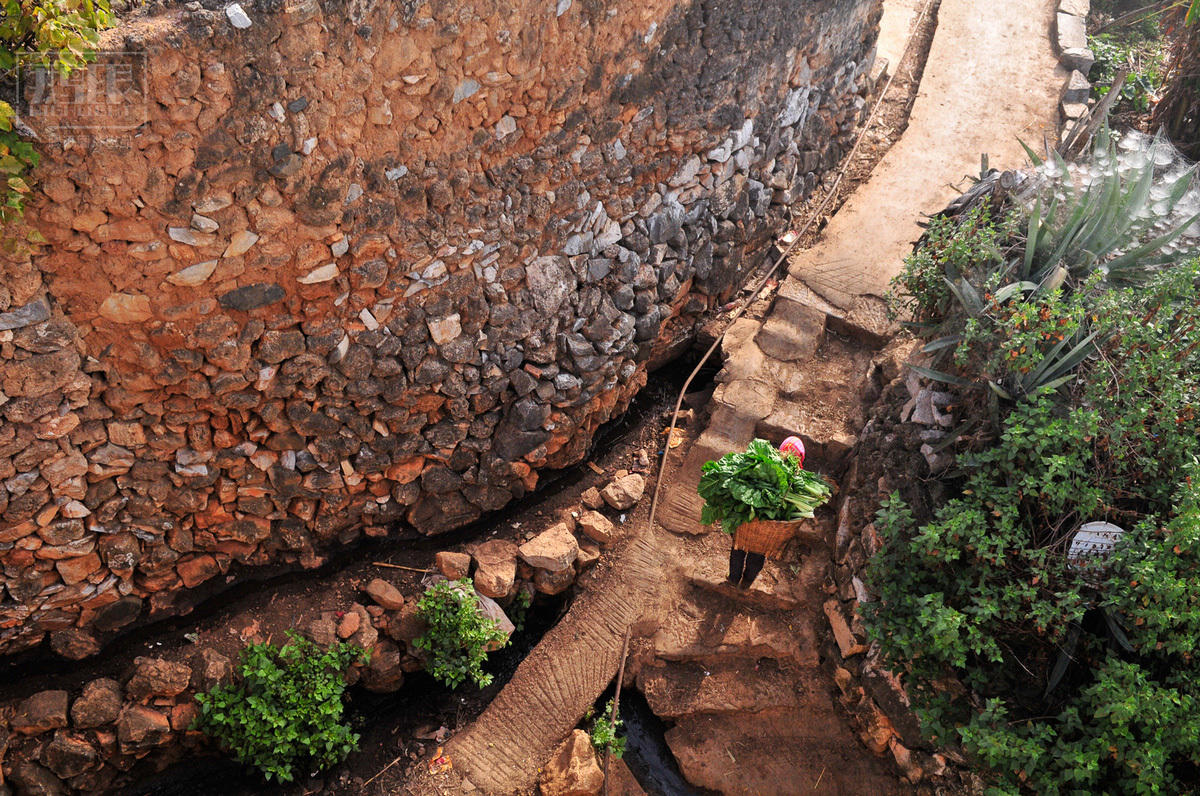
(364, 263)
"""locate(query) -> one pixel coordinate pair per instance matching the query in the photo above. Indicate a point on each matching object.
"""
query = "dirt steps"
(709, 629)
(739, 673)
(677, 689)
(792, 332)
(775, 589)
(787, 750)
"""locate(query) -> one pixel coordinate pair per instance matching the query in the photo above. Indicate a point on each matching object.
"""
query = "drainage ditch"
(647, 754)
(389, 725)
(398, 726)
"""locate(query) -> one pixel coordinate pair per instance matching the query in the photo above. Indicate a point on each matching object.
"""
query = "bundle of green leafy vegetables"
(759, 483)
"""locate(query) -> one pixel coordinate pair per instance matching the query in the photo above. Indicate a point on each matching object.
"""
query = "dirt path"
(740, 674)
(991, 78)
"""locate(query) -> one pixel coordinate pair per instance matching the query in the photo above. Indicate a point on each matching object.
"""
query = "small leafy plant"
(605, 733)
(459, 635)
(759, 483)
(953, 248)
(1143, 58)
(285, 714)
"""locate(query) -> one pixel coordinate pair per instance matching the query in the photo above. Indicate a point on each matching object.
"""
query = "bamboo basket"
(766, 537)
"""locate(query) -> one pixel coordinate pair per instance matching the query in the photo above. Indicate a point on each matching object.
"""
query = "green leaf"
(1034, 158)
(1000, 391)
(1032, 237)
(1065, 656)
(1008, 291)
(941, 342)
(938, 375)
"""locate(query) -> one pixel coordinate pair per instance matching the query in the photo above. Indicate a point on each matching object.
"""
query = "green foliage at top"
(1144, 64)
(1059, 677)
(459, 635)
(1178, 108)
(758, 483)
(605, 733)
(1128, 34)
(1013, 293)
(284, 715)
(52, 34)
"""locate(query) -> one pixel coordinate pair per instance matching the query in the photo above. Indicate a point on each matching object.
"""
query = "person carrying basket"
(761, 496)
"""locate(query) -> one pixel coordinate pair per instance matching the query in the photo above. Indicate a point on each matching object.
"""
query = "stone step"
(790, 378)
(827, 434)
(778, 587)
(677, 689)
(792, 332)
(751, 399)
(778, 753)
(862, 318)
(742, 358)
(708, 629)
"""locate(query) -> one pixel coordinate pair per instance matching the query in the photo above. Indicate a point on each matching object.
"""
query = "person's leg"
(754, 564)
(737, 561)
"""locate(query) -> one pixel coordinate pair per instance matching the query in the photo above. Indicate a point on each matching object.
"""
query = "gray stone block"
(1070, 32)
(1076, 89)
(1078, 58)
(1079, 8)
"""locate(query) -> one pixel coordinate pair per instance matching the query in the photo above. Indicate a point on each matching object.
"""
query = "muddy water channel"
(396, 728)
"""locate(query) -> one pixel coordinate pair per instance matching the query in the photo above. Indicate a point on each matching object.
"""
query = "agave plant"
(1117, 213)
(1127, 210)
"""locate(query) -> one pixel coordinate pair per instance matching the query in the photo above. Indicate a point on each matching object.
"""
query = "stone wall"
(369, 263)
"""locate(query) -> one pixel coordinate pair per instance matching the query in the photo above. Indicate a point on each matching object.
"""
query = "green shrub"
(459, 635)
(966, 599)
(1014, 293)
(953, 247)
(1056, 677)
(1143, 58)
(1133, 724)
(605, 734)
(54, 34)
(285, 713)
(1147, 387)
